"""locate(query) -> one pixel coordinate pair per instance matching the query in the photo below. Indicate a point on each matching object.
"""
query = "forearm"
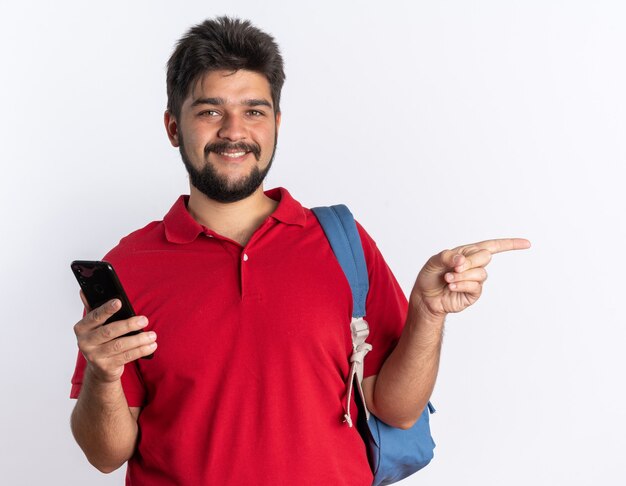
(407, 378)
(450, 282)
(103, 424)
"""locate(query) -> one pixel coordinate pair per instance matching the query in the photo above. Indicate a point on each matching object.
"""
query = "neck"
(237, 220)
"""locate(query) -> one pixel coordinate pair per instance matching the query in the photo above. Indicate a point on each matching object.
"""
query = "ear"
(278, 117)
(171, 127)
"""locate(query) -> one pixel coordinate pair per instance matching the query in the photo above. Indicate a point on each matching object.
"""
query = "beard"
(219, 188)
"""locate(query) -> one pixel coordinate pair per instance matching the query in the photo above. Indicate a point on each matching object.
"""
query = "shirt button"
(245, 257)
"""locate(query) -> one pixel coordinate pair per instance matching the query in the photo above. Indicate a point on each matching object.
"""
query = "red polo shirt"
(247, 384)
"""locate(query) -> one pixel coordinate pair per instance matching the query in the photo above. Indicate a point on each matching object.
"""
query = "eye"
(255, 113)
(208, 113)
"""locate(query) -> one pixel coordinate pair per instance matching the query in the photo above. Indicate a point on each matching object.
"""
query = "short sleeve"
(386, 306)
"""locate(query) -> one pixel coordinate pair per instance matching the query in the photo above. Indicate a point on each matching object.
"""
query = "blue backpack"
(393, 453)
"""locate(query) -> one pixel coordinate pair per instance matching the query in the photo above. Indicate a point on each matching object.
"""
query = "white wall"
(439, 123)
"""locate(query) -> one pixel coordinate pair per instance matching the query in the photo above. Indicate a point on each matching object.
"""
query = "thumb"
(446, 260)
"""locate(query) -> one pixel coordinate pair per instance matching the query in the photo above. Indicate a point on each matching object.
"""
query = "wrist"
(423, 314)
(102, 386)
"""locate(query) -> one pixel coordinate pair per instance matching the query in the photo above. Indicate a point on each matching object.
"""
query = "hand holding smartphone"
(100, 284)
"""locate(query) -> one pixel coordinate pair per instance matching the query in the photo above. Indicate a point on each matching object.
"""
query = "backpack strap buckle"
(359, 329)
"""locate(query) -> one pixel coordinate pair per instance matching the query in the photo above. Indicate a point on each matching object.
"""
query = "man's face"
(227, 133)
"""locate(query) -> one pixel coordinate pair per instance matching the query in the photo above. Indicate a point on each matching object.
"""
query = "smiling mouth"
(233, 155)
(233, 151)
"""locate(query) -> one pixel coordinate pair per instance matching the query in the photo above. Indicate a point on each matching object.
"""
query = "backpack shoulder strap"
(341, 231)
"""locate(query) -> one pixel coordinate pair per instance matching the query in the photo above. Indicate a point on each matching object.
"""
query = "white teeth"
(233, 155)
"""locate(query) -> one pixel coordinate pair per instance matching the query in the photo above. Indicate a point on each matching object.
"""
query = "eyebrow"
(222, 101)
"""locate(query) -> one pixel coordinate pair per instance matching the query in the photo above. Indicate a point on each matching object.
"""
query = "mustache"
(219, 147)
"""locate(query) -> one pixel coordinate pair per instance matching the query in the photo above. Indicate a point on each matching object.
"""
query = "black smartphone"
(100, 284)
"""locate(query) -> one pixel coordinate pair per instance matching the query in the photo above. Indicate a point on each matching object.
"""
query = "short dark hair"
(223, 43)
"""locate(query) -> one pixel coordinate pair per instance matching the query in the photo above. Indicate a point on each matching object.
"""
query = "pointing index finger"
(503, 244)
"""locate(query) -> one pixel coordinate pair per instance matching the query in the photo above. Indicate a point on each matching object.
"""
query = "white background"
(439, 123)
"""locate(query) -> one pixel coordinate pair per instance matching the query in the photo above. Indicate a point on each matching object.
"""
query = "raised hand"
(103, 346)
(453, 279)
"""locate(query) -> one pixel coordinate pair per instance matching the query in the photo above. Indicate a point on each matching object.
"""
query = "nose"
(232, 128)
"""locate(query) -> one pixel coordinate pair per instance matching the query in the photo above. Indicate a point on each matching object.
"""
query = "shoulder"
(368, 242)
(150, 236)
(154, 235)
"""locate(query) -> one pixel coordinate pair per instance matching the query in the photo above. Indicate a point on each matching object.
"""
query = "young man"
(249, 306)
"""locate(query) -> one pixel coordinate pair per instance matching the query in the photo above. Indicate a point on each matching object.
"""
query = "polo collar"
(180, 227)
(288, 211)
